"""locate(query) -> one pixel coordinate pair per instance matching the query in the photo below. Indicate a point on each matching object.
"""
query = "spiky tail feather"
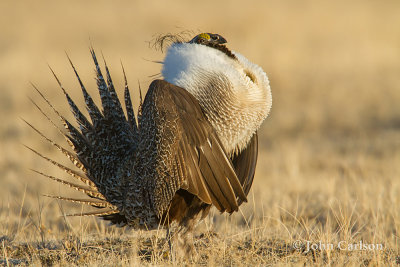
(102, 146)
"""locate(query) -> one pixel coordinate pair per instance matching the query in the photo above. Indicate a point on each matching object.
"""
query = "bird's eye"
(215, 37)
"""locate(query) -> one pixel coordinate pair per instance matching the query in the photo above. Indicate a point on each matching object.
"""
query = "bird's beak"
(221, 40)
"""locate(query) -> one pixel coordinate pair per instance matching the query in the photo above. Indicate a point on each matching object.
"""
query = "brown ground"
(329, 165)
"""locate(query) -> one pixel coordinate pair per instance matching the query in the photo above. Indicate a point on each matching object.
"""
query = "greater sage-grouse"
(194, 144)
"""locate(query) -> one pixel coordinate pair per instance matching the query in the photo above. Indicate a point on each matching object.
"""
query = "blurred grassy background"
(334, 68)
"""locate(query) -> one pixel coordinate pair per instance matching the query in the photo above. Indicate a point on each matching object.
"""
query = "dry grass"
(329, 165)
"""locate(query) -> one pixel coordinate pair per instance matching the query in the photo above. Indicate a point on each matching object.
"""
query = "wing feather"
(209, 173)
(245, 164)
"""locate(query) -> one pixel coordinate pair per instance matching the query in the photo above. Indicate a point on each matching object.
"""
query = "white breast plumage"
(233, 92)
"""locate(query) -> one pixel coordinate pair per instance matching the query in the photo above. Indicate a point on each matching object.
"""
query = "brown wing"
(196, 157)
(245, 164)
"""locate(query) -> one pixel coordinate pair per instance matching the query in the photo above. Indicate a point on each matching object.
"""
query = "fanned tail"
(100, 212)
(128, 105)
(103, 145)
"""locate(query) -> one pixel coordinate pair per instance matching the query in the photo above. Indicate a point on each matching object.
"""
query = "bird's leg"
(168, 238)
(186, 248)
(189, 239)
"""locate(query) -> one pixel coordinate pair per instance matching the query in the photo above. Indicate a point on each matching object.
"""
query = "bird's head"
(208, 39)
(212, 40)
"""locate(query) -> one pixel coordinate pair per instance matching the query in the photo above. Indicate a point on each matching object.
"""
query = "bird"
(192, 145)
